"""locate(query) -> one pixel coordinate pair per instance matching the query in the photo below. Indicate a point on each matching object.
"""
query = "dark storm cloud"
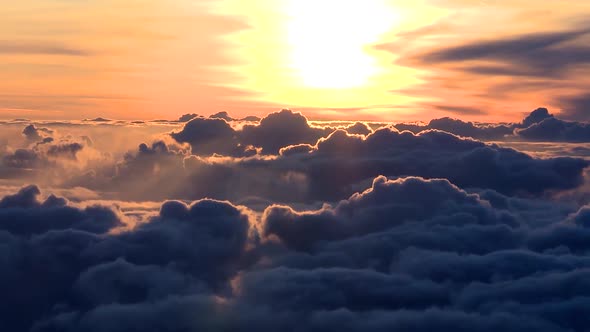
(408, 254)
(543, 55)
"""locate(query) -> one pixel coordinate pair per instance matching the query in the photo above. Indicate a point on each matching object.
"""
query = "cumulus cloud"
(462, 128)
(208, 136)
(213, 158)
(538, 126)
(80, 264)
(222, 115)
(281, 129)
(276, 130)
(542, 126)
(433, 154)
(359, 128)
(34, 134)
(334, 168)
(187, 117)
(44, 154)
(21, 214)
(409, 254)
(557, 130)
(535, 117)
(410, 199)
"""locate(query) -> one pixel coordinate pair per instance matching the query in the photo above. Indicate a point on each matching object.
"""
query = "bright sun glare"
(329, 40)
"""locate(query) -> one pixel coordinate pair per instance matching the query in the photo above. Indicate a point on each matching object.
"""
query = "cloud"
(222, 115)
(575, 107)
(461, 110)
(45, 154)
(545, 127)
(276, 130)
(332, 169)
(33, 134)
(81, 264)
(67, 150)
(481, 72)
(543, 55)
(359, 128)
(20, 214)
(410, 199)
(187, 117)
(539, 125)
(409, 254)
(224, 161)
(432, 154)
(208, 136)
(462, 128)
(22, 158)
(40, 47)
(281, 129)
(535, 117)
(99, 119)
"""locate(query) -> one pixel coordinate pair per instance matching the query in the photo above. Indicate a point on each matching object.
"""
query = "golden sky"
(484, 60)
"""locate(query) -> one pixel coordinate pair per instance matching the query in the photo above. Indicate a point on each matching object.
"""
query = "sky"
(294, 165)
(482, 60)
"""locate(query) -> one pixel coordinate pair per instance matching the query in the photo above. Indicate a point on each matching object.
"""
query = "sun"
(329, 40)
(320, 55)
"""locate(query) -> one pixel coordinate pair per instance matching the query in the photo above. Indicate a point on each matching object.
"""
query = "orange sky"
(485, 60)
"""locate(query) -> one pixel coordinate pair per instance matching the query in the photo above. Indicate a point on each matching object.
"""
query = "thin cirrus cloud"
(40, 48)
(576, 107)
(543, 55)
(155, 57)
(221, 55)
(514, 66)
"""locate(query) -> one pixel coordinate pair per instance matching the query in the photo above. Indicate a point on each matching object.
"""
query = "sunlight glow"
(329, 40)
(322, 56)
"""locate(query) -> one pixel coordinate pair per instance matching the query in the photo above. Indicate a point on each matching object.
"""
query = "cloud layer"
(231, 225)
(409, 253)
